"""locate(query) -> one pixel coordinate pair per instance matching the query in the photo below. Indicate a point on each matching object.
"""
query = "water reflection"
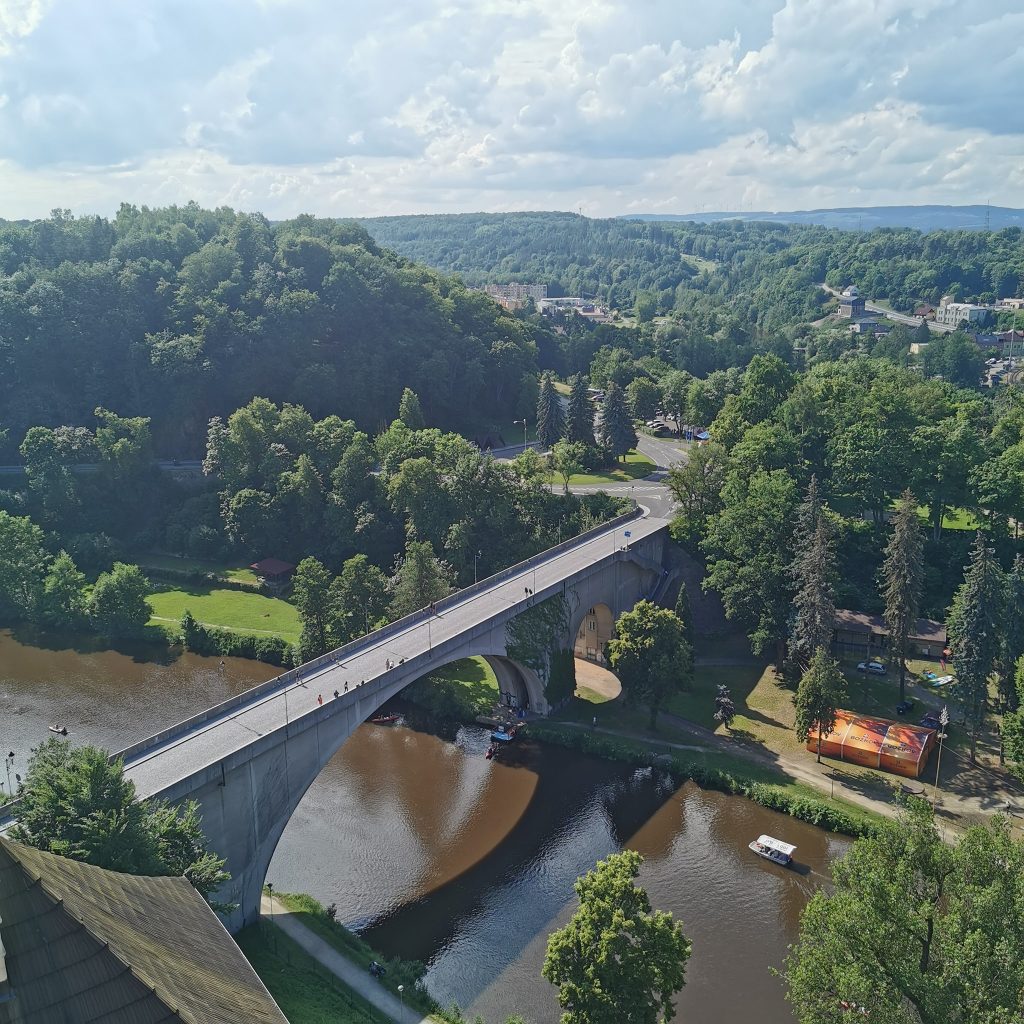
(468, 865)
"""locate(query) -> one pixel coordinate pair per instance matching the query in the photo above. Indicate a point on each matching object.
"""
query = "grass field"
(225, 570)
(635, 467)
(236, 610)
(306, 992)
(461, 690)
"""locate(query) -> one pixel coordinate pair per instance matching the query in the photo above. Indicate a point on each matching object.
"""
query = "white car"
(875, 668)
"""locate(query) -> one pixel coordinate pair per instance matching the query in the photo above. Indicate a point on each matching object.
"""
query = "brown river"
(435, 853)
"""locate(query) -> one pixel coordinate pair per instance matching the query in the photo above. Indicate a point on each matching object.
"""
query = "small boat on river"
(60, 730)
(774, 850)
(385, 719)
(504, 735)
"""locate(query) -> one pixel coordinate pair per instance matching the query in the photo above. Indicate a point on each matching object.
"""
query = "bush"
(225, 644)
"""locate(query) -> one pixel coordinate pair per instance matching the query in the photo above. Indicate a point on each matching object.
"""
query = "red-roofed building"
(275, 574)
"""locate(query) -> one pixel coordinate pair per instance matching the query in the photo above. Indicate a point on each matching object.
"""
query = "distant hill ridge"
(864, 218)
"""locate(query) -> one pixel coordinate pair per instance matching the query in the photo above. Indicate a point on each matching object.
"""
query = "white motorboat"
(773, 849)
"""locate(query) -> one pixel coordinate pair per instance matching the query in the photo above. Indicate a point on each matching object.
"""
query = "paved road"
(650, 491)
(159, 767)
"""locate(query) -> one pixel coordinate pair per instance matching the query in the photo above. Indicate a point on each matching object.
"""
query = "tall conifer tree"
(550, 419)
(813, 569)
(974, 634)
(617, 433)
(579, 425)
(902, 575)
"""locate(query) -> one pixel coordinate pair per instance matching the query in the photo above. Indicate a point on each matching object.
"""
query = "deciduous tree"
(914, 930)
(643, 397)
(696, 484)
(617, 961)
(749, 548)
(311, 590)
(567, 459)
(649, 653)
(358, 598)
(420, 578)
(409, 410)
(117, 605)
(77, 803)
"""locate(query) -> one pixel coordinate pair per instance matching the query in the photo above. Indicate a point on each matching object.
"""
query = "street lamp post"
(522, 422)
(8, 764)
(476, 558)
(943, 722)
(401, 995)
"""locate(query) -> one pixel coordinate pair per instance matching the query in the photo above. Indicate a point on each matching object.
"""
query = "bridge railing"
(247, 697)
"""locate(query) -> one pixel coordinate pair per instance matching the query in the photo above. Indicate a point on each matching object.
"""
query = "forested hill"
(864, 218)
(182, 313)
(764, 276)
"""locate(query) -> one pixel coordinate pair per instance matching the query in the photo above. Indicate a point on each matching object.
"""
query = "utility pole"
(943, 722)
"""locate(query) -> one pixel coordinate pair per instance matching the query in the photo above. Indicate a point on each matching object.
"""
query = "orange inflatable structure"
(896, 747)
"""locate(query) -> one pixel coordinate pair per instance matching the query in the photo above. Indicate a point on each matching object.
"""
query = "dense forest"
(765, 275)
(180, 314)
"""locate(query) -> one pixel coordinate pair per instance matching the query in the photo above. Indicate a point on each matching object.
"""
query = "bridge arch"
(249, 761)
(596, 627)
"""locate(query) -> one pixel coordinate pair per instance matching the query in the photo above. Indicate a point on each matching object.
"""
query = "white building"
(950, 314)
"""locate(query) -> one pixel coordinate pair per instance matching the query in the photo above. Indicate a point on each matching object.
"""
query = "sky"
(362, 108)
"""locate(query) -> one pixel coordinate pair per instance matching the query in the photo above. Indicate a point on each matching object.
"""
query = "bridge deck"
(160, 766)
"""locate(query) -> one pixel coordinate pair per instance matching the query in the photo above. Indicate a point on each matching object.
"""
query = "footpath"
(352, 975)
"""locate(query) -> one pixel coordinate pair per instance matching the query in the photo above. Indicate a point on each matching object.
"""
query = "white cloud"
(339, 107)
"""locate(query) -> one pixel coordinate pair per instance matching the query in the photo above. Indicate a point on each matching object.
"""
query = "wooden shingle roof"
(85, 944)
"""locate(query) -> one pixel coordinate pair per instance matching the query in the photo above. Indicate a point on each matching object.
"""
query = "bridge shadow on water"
(580, 810)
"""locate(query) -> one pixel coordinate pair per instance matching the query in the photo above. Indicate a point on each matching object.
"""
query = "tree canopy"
(617, 961)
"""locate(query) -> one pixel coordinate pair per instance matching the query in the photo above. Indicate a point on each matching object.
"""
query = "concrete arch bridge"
(249, 761)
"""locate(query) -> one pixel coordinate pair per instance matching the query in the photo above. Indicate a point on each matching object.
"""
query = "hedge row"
(775, 798)
(224, 643)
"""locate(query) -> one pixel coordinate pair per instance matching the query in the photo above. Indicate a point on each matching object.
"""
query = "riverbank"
(396, 995)
(305, 990)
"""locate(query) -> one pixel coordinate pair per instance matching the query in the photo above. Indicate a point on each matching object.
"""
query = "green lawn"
(226, 570)
(236, 610)
(635, 467)
(698, 262)
(954, 519)
(306, 992)
(461, 690)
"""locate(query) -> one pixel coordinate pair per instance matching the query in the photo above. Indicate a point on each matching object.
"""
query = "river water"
(437, 854)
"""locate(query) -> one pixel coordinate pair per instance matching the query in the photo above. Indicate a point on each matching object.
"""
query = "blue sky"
(345, 108)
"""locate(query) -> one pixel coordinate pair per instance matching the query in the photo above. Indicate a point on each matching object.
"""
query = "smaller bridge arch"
(596, 627)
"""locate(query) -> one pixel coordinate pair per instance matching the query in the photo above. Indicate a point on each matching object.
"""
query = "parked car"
(904, 706)
(874, 668)
(931, 721)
